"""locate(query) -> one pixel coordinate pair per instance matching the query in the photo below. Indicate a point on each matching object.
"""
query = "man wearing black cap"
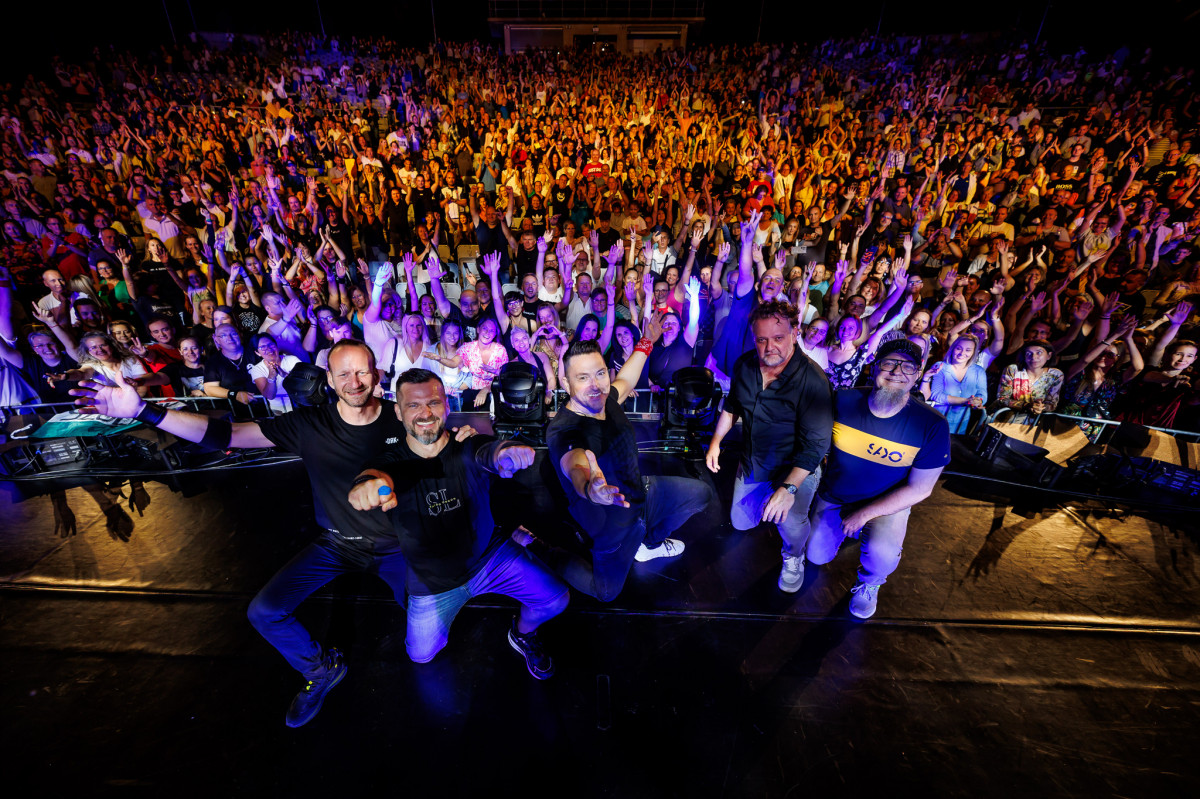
(889, 448)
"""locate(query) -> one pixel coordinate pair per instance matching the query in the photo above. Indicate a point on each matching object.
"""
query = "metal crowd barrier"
(1110, 425)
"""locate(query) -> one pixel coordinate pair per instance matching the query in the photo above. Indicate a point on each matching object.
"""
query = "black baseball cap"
(900, 346)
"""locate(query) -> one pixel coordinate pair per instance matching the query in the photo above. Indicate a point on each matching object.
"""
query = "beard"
(426, 435)
(773, 359)
(889, 398)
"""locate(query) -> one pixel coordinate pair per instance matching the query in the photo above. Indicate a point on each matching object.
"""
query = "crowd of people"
(203, 220)
(870, 245)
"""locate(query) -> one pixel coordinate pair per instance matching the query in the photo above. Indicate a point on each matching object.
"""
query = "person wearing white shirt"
(268, 374)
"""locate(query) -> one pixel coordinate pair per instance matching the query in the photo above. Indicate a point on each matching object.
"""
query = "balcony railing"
(574, 9)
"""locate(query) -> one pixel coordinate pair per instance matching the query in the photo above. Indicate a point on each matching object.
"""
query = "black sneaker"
(307, 703)
(530, 646)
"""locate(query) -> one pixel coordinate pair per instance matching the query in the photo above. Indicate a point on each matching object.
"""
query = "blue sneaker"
(307, 704)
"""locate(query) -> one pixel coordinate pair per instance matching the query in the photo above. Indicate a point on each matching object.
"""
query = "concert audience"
(1003, 214)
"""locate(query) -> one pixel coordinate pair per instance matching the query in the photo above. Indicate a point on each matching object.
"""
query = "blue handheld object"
(384, 491)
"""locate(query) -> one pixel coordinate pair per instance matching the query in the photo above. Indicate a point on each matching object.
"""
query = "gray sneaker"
(791, 577)
(865, 598)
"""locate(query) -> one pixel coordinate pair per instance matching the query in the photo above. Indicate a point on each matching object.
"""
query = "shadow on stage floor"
(1051, 649)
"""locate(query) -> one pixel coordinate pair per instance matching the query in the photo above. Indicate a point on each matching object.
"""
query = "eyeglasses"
(907, 368)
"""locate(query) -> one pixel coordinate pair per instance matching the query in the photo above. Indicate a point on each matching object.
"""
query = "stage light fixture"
(519, 392)
(692, 406)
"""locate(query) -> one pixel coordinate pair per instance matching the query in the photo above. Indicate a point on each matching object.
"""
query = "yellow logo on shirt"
(872, 448)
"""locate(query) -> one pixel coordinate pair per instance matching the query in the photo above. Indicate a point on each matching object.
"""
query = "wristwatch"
(788, 487)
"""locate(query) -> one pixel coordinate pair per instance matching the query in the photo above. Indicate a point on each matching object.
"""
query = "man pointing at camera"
(627, 516)
(436, 491)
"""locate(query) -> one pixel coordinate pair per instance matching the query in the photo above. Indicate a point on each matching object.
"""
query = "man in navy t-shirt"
(888, 451)
(736, 337)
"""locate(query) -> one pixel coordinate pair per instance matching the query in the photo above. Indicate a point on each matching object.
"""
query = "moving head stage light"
(693, 404)
(520, 391)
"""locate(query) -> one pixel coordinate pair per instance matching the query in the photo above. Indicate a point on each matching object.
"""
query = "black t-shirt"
(249, 319)
(529, 309)
(230, 375)
(871, 455)
(148, 307)
(36, 370)
(607, 238)
(526, 262)
(560, 196)
(664, 362)
(490, 240)
(470, 327)
(1164, 174)
(538, 218)
(614, 443)
(1071, 187)
(444, 516)
(184, 379)
(423, 203)
(202, 334)
(334, 453)
(616, 359)
(395, 216)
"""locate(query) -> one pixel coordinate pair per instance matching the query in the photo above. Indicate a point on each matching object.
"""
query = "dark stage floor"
(1037, 651)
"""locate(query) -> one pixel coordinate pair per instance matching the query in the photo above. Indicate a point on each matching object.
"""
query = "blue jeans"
(272, 610)
(750, 498)
(882, 540)
(511, 571)
(670, 501)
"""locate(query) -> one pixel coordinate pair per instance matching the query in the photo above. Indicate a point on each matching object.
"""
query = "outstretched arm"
(491, 265)
(123, 402)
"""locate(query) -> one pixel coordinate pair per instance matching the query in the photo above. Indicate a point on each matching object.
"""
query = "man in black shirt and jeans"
(786, 407)
(334, 441)
(437, 492)
(594, 449)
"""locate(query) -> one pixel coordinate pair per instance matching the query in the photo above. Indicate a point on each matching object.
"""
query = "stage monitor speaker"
(1010, 453)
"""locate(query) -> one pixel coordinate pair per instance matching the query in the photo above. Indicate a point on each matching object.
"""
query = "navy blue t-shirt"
(736, 338)
(870, 456)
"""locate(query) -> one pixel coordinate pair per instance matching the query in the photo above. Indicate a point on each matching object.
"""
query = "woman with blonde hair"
(101, 359)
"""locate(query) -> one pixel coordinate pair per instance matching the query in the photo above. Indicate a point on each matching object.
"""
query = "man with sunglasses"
(889, 448)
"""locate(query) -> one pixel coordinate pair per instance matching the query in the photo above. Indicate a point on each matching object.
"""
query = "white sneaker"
(667, 549)
(791, 577)
(865, 598)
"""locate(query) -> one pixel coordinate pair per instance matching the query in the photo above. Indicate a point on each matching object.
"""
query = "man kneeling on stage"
(593, 445)
(437, 491)
(888, 450)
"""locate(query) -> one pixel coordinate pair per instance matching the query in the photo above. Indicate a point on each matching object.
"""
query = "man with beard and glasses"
(333, 440)
(889, 448)
(437, 493)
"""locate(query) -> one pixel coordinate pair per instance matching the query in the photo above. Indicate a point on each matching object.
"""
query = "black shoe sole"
(536, 675)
